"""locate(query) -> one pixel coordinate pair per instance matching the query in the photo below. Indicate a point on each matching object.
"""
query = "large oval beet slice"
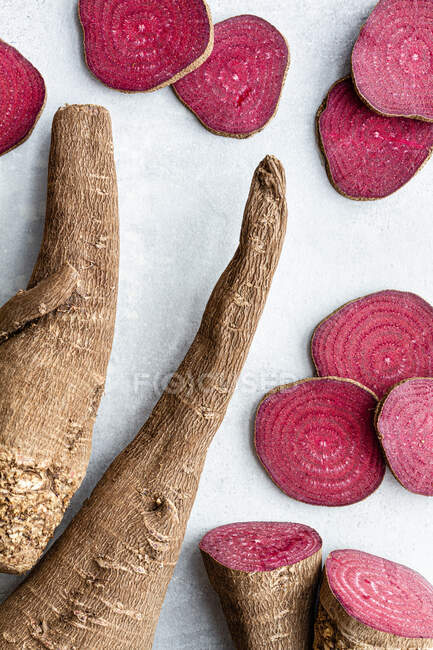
(368, 156)
(383, 595)
(22, 97)
(392, 59)
(378, 340)
(143, 45)
(236, 92)
(404, 423)
(316, 440)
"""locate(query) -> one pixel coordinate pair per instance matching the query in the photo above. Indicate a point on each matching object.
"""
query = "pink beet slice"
(316, 440)
(377, 340)
(369, 156)
(392, 59)
(384, 595)
(404, 423)
(22, 97)
(143, 45)
(236, 92)
(260, 546)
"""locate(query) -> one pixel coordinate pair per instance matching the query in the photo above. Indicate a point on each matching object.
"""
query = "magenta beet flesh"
(392, 59)
(22, 97)
(142, 45)
(369, 156)
(260, 546)
(384, 595)
(236, 91)
(316, 439)
(378, 340)
(405, 428)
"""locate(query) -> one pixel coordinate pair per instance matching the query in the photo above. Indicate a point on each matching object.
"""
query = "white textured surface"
(182, 192)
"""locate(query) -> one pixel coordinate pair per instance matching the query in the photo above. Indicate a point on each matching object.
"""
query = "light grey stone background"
(182, 193)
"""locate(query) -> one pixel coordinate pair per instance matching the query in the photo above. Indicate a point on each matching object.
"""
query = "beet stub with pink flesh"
(143, 45)
(22, 97)
(392, 59)
(236, 91)
(316, 440)
(367, 601)
(368, 156)
(266, 575)
(377, 340)
(404, 423)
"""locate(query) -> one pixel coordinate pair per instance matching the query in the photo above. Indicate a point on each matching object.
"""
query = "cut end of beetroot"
(369, 156)
(384, 595)
(260, 546)
(377, 340)
(22, 97)
(405, 427)
(236, 91)
(391, 60)
(143, 45)
(316, 440)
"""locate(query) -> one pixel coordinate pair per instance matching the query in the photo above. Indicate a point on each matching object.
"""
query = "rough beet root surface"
(316, 440)
(392, 59)
(377, 340)
(236, 92)
(22, 97)
(369, 156)
(260, 546)
(381, 594)
(143, 45)
(404, 424)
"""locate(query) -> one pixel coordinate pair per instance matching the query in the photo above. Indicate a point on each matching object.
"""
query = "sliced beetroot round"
(260, 546)
(383, 595)
(143, 45)
(316, 440)
(392, 59)
(236, 92)
(368, 156)
(377, 340)
(404, 423)
(22, 97)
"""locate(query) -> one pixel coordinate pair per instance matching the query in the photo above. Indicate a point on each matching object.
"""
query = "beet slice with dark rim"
(391, 60)
(22, 97)
(368, 156)
(259, 545)
(316, 440)
(382, 594)
(143, 45)
(404, 423)
(236, 91)
(377, 340)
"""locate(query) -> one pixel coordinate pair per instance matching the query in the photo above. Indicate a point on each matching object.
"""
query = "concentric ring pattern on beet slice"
(369, 156)
(143, 45)
(384, 595)
(378, 340)
(236, 92)
(260, 546)
(316, 440)
(392, 59)
(404, 424)
(22, 97)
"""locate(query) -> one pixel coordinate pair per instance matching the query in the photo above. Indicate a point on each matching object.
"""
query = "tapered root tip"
(271, 174)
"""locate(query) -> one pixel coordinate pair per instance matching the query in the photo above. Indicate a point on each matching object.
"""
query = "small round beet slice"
(377, 340)
(316, 440)
(368, 156)
(22, 97)
(404, 423)
(367, 601)
(236, 91)
(392, 59)
(144, 45)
